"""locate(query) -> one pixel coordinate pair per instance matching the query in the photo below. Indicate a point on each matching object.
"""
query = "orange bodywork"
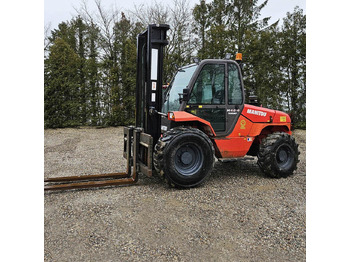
(238, 143)
(182, 116)
(253, 124)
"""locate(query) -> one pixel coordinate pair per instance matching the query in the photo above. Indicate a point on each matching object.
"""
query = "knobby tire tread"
(158, 156)
(266, 154)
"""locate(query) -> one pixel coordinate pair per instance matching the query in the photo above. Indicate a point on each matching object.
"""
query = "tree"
(201, 19)
(124, 102)
(222, 25)
(244, 18)
(61, 86)
(180, 49)
(108, 71)
(157, 13)
(262, 74)
(93, 75)
(217, 36)
(46, 38)
(66, 32)
(80, 29)
(293, 56)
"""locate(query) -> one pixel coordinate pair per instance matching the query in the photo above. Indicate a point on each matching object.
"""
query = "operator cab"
(212, 90)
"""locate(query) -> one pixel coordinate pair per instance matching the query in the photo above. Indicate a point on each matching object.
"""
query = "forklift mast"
(150, 55)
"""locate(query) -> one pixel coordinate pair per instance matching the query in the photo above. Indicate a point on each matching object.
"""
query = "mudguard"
(182, 116)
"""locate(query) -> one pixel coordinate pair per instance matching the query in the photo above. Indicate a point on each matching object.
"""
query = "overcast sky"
(63, 10)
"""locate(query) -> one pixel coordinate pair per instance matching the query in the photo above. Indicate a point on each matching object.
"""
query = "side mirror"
(185, 95)
(253, 100)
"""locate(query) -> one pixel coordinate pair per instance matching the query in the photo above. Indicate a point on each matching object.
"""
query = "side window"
(209, 87)
(234, 86)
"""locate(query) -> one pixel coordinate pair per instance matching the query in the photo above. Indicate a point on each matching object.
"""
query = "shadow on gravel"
(221, 171)
(237, 168)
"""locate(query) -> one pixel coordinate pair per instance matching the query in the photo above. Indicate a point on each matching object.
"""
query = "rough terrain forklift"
(201, 115)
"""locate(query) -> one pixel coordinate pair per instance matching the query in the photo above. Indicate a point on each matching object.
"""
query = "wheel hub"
(282, 155)
(188, 159)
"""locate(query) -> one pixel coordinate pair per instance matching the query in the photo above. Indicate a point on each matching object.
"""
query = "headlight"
(171, 116)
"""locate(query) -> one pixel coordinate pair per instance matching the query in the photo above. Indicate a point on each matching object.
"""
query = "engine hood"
(258, 114)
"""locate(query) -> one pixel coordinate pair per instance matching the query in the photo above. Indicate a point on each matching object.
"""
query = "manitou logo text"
(256, 112)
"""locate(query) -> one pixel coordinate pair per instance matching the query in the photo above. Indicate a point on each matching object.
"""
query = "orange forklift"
(201, 115)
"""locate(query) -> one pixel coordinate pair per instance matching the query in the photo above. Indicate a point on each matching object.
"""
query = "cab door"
(208, 96)
(235, 98)
(217, 96)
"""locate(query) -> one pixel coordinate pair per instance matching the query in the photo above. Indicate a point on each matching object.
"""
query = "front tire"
(184, 156)
(278, 155)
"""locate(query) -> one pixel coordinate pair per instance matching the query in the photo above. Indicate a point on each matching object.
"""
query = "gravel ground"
(237, 215)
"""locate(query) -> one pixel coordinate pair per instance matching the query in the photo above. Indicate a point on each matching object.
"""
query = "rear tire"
(278, 155)
(184, 157)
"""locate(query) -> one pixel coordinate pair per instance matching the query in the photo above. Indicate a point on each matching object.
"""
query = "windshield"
(181, 80)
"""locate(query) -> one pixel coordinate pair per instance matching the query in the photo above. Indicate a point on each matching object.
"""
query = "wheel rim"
(284, 157)
(188, 159)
